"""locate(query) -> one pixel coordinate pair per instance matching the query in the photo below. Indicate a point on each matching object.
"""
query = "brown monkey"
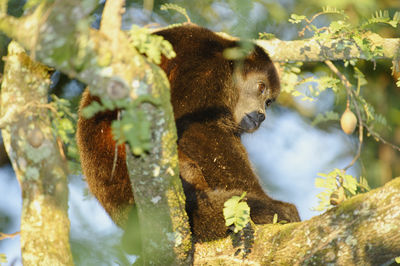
(214, 100)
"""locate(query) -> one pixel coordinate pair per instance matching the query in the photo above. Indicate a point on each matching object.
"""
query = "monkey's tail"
(106, 174)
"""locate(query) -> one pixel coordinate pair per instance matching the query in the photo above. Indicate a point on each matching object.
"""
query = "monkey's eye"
(268, 102)
(261, 87)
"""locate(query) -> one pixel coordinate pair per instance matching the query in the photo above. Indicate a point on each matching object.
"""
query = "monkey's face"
(256, 93)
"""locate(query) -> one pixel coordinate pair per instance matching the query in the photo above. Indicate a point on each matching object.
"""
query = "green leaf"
(236, 212)
(275, 219)
(3, 258)
(364, 184)
(329, 182)
(296, 18)
(176, 8)
(135, 129)
(90, 110)
(397, 260)
(266, 36)
(350, 183)
(333, 10)
(383, 17)
(320, 182)
(338, 26)
(328, 116)
(153, 46)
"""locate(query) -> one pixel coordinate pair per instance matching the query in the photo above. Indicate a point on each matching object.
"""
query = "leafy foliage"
(369, 115)
(295, 19)
(236, 212)
(266, 36)
(332, 181)
(3, 258)
(307, 88)
(346, 35)
(383, 17)
(176, 8)
(64, 121)
(153, 46)
(327, 116)
(134, 127)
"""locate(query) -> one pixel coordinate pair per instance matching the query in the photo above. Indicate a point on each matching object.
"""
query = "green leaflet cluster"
(153, 46)
(236, 212)
(332, 181)
(64, 121)
(309, 87)
(133, 125)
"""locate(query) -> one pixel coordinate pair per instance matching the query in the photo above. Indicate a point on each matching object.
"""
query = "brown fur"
(214, 165)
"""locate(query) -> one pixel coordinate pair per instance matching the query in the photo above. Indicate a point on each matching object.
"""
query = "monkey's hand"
(263, 209)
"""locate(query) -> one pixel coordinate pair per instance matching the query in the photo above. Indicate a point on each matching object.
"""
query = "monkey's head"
(257, 82)
(206, 86)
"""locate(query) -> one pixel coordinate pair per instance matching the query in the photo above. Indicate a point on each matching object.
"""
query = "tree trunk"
(37, 160)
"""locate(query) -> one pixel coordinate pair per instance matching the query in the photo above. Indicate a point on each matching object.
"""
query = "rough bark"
(157, 189)
(314, 50)
(37, 161)
(364, 230)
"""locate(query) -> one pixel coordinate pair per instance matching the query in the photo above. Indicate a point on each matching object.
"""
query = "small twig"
(115, 151)
(44, 105)
(61, 148)
(373, 133)
(350, 93)
(5, 236)
(13, 112)
(309, 21)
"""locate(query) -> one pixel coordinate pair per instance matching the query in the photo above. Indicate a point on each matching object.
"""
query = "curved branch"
(364, 230)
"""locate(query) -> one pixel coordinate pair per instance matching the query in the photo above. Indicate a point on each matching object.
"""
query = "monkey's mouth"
(249, 123)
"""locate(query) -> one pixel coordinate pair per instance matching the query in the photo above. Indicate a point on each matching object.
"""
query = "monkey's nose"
(261, 116)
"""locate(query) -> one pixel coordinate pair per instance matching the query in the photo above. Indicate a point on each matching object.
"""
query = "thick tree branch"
(37, 162)
(159, 198)
(314, 50)
(364, 230)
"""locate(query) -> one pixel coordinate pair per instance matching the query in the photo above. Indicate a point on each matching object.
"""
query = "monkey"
(215, 100)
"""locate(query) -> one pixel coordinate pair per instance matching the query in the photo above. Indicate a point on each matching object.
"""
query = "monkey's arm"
(210, 177)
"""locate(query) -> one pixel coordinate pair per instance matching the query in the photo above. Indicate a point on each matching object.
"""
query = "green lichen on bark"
(157, 188)
(364, 230)
(316, 50)
(35, 156)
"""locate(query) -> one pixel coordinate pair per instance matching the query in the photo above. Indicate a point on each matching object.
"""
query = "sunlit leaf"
(236, 212)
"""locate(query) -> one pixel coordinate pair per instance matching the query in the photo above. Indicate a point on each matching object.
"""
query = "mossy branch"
(37, 161)
(364, 230)
(314, 50)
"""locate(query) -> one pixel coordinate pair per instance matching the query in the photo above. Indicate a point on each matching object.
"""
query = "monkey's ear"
(258, 53)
